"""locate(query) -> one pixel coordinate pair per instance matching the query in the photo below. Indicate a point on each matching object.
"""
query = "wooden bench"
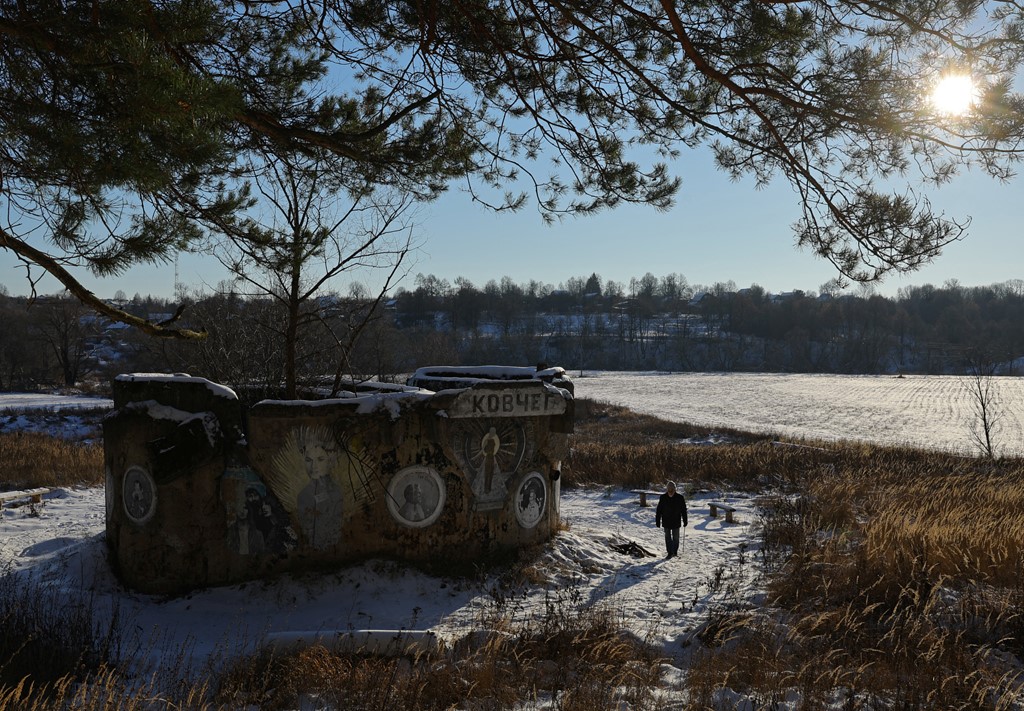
(644, 493)
(34, 496)
(729, 510)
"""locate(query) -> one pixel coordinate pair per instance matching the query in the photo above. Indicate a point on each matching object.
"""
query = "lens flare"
(954, 94)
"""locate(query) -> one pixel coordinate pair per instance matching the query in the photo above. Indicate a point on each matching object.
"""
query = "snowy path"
(61, 544)
(67, 519)
(659, 599)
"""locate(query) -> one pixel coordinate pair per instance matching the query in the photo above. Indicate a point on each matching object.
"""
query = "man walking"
(671, 512)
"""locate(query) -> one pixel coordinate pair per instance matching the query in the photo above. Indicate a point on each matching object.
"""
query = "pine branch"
(75, 287)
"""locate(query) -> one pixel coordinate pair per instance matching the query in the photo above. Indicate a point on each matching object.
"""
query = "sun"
(954, 94)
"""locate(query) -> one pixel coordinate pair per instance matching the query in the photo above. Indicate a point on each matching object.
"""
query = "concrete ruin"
(458, 466)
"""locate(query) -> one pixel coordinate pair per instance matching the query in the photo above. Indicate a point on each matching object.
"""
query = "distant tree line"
(670, 324)
(585, 323)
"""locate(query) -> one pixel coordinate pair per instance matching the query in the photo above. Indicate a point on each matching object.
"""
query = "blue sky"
(718, 230)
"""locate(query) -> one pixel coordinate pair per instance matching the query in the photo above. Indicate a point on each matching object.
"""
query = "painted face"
(318, 460)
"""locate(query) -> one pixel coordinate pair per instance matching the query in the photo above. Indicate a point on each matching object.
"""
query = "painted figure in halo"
(489, 446)
(320, 476)
(490, 451)
(320, 499)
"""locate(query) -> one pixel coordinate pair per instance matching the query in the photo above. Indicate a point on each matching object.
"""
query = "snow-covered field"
(67, 416)
(19, 402)
(929, 411)
(60, 543)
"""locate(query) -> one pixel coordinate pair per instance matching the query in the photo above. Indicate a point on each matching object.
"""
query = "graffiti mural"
(138, 492)
(530, 500)
(319, 477)
(491, 450)
(205, 489)
(257, 523)
(416, 496)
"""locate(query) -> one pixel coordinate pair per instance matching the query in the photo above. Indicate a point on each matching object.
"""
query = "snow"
(158, 411)
(927, 411)
(216, 389)
(50, 414)
(19, 402)
(390, 400)
(61, 542)
(485, 372)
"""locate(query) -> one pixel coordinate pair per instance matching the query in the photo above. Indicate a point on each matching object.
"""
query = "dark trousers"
(672, 541)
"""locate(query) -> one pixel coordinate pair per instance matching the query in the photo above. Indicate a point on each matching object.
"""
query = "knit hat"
(670, 485)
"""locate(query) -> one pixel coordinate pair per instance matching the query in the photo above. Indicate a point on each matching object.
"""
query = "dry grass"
(896, 576)
(618, 447)
(897, 584)
(894, 581)
(45, 639)
(582, 658)
(103, 690)
(32, 460)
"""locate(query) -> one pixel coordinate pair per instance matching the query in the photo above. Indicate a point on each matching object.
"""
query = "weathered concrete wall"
(200, 493)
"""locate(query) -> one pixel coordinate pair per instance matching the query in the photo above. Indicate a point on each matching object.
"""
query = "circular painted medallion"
(416, 496)
(531, 500)
(138, 493)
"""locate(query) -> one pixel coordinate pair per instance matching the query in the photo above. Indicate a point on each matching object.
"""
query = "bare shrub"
(45, 637)
(986, 409)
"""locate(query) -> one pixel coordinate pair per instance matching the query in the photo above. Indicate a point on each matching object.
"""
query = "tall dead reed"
(900, 586)
(45, 638)
(615, 446)
(894, 575)
(34, 459)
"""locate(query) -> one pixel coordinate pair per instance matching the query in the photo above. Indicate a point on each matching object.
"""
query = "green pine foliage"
(127, 129)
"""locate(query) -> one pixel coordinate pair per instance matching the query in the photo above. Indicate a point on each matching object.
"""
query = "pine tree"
(123, 124)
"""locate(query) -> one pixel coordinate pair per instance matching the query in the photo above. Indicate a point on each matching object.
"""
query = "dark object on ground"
(631, 548)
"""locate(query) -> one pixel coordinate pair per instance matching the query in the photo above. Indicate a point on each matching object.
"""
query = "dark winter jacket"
(671, 511)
